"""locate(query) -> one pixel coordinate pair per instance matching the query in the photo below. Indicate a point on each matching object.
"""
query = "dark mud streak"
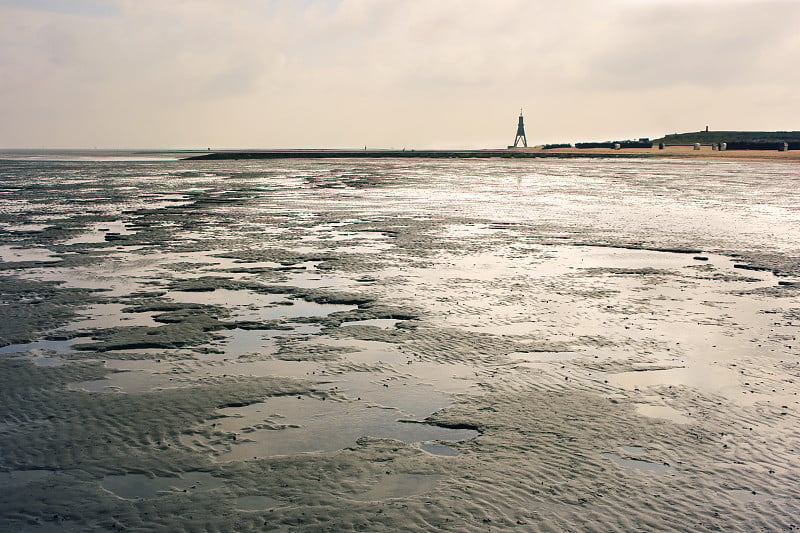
(637, 246)
(451, 425)
(38, 307)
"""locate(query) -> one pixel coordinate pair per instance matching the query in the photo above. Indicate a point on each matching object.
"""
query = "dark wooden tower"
(520, 132)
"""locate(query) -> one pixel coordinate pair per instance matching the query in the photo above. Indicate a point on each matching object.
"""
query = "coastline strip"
(420, 154)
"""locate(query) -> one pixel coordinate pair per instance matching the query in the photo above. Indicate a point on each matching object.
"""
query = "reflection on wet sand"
(349, 344)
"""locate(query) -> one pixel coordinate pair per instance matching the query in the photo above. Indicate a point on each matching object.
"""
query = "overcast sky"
(390, 73)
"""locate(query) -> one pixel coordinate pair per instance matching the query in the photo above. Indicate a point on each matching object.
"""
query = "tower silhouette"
(520, 133)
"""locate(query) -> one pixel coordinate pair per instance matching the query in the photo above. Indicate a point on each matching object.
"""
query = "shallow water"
(439, 449)
(45, 346)
(134, 486)
(289, 425)
(14, 254)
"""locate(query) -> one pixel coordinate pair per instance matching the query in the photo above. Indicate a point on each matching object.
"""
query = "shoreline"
(669, 152)
(403, 154)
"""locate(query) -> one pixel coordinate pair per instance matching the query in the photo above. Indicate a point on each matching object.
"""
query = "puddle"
(12, 254)
(140, 486)
(296, 329)
(130, 273)
(384, 323)
(435, 383)
(304, 309)
(400, 486)
(64, 346)
(405, 393)
(241, 301)
(590, 257)
(439, 449)
(133, 382)
(214, 260)
(270, 367)
(241, 342)
(110, 316)
(449, 378)
(253, 306)
(292, 425)
(370, 352)
(636, 464)
(317, 281)
(101, 232)
(714, 378)
(24, 228)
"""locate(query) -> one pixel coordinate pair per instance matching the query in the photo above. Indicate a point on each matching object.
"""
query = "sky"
(390, 73)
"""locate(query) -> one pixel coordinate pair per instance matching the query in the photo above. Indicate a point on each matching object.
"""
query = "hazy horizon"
(140, 74)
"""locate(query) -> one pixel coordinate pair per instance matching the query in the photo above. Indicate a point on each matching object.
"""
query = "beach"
(400, 345)
(705, 152)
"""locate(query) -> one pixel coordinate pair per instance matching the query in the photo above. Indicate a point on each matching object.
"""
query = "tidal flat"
(399, 345)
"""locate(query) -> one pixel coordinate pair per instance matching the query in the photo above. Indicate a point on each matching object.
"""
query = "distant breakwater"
(419, 154)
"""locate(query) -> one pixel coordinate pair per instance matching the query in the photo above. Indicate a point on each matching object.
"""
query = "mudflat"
(384, 345)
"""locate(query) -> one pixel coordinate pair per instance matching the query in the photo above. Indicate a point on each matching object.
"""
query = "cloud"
(393, 73)
(706, 44)
(73, 7)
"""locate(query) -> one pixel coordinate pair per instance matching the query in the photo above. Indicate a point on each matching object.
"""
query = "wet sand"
(395, 345)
